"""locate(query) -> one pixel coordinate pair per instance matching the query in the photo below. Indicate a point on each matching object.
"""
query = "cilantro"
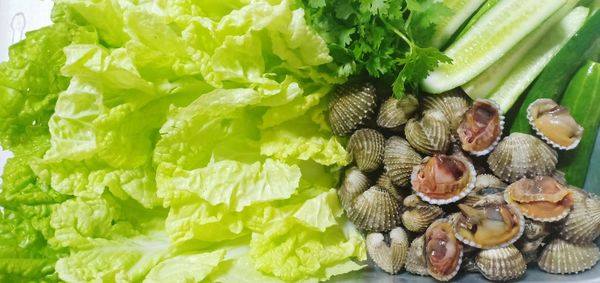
(383, 38)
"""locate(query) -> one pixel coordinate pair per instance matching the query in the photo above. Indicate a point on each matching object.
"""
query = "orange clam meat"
(443, 252)
(481, 127)
(489, 226)
(443, 179)
(541, 198)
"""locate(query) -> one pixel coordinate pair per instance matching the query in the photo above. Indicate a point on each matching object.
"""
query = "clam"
(367, 146)
(415, 261)
(530, 249)
(563, 257)
(501, 264)
(352, 105)
(452, 104)
(443, 252)
(583, 223)
(376, 209)
(469, 264)
(554, 124)
(389, 257)
(395, 112)
(521, 155)
(385, 182)
(355, 183)
(481, 127)
(443, 179)
(429, 135)
(419, 218)
(536, 230)
(399, 158)
(488, 180)
(489, 226)
(541, 198)
(484, 194)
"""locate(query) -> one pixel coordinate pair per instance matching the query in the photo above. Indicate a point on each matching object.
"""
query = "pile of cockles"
(437, 189)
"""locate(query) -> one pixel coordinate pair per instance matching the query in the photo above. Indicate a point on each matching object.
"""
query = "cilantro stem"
(397, 32)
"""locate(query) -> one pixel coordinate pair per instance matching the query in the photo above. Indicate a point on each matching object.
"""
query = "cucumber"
(447, 26)
(537, 58)
(582, 97)
(475, 18)
(584, 45)
(485, 83)
(488, 40)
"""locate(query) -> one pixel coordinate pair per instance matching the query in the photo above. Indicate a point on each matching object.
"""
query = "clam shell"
(390, 258)
(420, 217)
(542, 107)
(412, 201)
(394, 112)
(472, 243)
(453, 104)
(375, 210)
(415, 261)
(530, 249)
(399, 158)
(367, 146)
(536, 229)
(488, 180)
(467, 184)
(563, 257)
(355, 183)
(432, 271)
(429, 135)
(583, 223)
(521, 155)
(351, 106)
(501, 264)
(385, 182)
(485, 141)
(537, 198)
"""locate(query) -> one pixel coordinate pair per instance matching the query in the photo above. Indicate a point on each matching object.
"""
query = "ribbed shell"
(375, 210)
(420, 217)
(521, 155)
(415, 262)
(501, 264)
(535, 109)
(432, 273)
(583, 223)
(366, 147)
(563, 257)
(399, 158)
(488, 180)
(429, 135)
(394, 112)
(390, 258)
(509, 194)
(355, 183)
(490, 137)
(412, 201)
(536, 229)
(452, 103)
(521, 223)
(351, 106)
(530, 249)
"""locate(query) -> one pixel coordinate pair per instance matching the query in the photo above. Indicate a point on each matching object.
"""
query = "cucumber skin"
(582, 98)
(555, 77)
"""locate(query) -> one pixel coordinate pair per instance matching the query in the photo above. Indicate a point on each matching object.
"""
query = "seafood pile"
(437, 189)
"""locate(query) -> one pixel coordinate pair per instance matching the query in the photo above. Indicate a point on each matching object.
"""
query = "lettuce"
(172, 141)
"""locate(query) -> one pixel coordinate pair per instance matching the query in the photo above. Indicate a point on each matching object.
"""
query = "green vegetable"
(386, 39)
(555, 77)
(485, 7)
(448, 25)
(501, 28)
(582, 97)
(172, 141)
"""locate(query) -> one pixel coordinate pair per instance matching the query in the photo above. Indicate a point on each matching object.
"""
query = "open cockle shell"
(395, 112)
(443, 252)
(582, 225)
(541, 198)
(367, 146)
(452, 104)
(399, 158)
(554, 124)
(489, 226)
(415, 261)
(563, 257)
(355, 183)
(521, 155)
(352, 105)
(419, 218)
(429, 135)
(376, 210)
(443, 179)
(481, 127)
(389, 257)
(501, 264)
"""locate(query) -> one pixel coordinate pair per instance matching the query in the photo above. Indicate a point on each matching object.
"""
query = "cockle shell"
(554, 124)
(429, 135)
(530, 248)
(355, 183)
(536, 229)
(390, 258)
(583, 223)
(367, 146)
(488, 180)
(376, 209)
(352, 105)
(481, 127)
(443, 179)
(452, 104)
(563, 257)
(395, 112)
(399, 158)
(412, 201)
(443, 252)
(541, 198)
(419, 218)
(501, 264)
(484, 194)
(415, 261)
(385, 182)
(489, 226)
(521, 155)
